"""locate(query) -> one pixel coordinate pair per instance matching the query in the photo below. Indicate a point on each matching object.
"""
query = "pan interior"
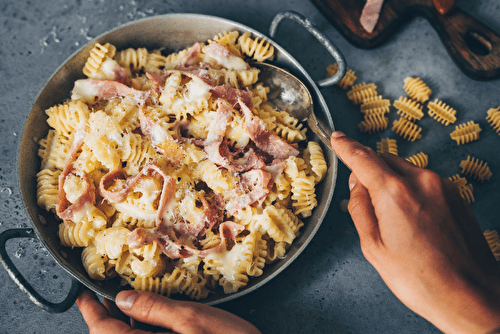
(170, 33)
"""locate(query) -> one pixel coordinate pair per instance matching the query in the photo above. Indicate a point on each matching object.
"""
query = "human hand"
(423, 239)
(155, 310)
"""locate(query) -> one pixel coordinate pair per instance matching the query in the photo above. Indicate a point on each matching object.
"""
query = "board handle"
(473, 46)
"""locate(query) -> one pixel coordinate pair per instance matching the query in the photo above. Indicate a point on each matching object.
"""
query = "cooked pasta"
(259, 49)
(174, 172)
(95, 67)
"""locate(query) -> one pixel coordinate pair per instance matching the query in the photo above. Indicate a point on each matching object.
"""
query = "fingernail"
(338, 134)
(352, 181)
(125, 300)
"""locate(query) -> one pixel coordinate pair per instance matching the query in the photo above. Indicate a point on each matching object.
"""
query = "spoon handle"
(323, 135)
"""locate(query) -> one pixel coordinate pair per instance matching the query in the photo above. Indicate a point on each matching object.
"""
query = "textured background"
(330, 288)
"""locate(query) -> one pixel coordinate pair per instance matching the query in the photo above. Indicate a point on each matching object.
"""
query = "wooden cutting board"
(474, 47)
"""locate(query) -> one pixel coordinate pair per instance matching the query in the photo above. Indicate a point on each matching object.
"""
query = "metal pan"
(171, 32)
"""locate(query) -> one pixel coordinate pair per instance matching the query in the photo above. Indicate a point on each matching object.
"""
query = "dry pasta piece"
(466, 132)
(373, 123)
(259, 49)
(348, 79)
(417, 89)
(494, 242)
(387, 145)
(464, 188)
(362, 91)
(408, 109)
(407, 129)
(493, 117)
(476, 169)
(442, 112)
(420, 159)
(375, 105)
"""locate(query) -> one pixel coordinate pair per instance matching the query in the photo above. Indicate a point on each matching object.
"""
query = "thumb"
(145, 307)
(363, 215)
(179, 316)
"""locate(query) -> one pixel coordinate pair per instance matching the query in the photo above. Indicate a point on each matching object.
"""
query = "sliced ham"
(89, 89)
(190, 58)
(173, 248)
(217, 150)
(65, 210)
(257, 182)
(232, 95)
(263, 139)
(161, 140)
(370, 14)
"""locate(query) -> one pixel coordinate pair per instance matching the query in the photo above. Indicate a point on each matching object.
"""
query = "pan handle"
(332, 48)
(25, 287)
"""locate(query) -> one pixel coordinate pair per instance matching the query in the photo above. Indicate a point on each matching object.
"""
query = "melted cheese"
(228, 262)
(84, 90)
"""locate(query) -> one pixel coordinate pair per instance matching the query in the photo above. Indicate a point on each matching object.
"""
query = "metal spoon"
(289, 94)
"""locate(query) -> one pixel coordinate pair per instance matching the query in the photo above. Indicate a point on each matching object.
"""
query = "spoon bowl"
(289, 94)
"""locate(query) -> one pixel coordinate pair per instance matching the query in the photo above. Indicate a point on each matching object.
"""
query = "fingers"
(148, 308)
(363, 214)
(114, 311)
(90, 307)
(96, 315)
(368, 166)
(180, 316)
(400, 165)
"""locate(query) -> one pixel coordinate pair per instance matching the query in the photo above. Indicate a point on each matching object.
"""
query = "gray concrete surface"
(330, 288)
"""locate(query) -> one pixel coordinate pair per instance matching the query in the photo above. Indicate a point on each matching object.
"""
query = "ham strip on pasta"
(219, 153)
(266, 141)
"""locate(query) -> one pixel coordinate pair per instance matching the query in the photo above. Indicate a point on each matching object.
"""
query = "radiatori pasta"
(173, 172)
